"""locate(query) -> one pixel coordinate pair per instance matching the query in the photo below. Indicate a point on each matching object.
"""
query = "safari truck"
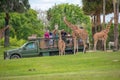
(41, 47)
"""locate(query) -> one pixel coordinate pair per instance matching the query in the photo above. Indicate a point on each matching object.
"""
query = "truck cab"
(29, 49)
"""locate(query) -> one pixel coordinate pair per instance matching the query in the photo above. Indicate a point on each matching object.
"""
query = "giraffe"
(61, 45)
(2, 31)
(78, 33)
(102, 35)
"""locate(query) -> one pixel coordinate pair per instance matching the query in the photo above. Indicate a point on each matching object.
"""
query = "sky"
(46, 4)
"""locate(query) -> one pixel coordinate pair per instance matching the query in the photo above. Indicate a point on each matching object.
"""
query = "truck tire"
(15, 56)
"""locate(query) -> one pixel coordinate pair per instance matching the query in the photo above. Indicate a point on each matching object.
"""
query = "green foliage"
(8, 6)
(2, 20)
(13, 41)
(16, 42)
(23, 25)
(72, 12)
(1, 42)
(111, 33)
(93, 7)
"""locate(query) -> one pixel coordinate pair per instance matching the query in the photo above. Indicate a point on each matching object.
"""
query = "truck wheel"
(15, 56)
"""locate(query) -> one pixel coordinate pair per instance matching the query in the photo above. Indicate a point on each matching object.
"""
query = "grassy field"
(89, 66)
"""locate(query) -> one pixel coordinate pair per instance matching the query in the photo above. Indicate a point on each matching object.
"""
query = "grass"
(89, 66)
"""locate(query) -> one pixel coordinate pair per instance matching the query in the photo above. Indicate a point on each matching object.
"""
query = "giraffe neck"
(108, 26)
(70, 25)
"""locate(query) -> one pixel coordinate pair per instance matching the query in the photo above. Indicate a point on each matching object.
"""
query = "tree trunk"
(116, 33)
(99, 28)
(93, 25)
(103, 26)
(6, 39)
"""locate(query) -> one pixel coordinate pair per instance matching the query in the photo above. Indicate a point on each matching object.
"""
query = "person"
(31, 46)
(55, 33)
(63, 34)
(51, 39)
(69, 40)
(55, 36)
(46, 35)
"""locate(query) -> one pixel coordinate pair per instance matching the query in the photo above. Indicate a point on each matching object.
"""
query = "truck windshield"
(30, 45)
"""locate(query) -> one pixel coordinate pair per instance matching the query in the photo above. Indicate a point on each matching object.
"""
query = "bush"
(1, 42)
(16, 42)
(13, 42)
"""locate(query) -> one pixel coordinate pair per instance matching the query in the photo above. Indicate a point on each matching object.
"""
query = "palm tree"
(104, 2)
(95, 8)
(116, 16)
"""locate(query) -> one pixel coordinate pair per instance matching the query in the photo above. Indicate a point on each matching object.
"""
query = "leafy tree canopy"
(72, 12)
(23, 25)
(93, 7)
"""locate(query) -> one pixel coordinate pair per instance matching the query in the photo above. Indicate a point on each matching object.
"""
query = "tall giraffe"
(2, 31)
(102, 35)
(61, 45)
(78, 33)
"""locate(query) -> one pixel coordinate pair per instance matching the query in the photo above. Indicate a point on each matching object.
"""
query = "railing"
(53, 42)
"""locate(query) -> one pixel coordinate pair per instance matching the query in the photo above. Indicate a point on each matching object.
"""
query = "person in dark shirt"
(51, 39)
(63, 34)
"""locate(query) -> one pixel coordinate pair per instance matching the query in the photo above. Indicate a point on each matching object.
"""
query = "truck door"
(30, 49)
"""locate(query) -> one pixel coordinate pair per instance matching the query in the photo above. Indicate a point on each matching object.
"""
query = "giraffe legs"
(84, 44)
(63, 51)
(104, 45)
(77, 45)
(95, 43)
(75, 41)
(59, 52)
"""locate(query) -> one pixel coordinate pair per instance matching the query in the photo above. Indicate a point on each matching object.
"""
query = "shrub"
(13, 42)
